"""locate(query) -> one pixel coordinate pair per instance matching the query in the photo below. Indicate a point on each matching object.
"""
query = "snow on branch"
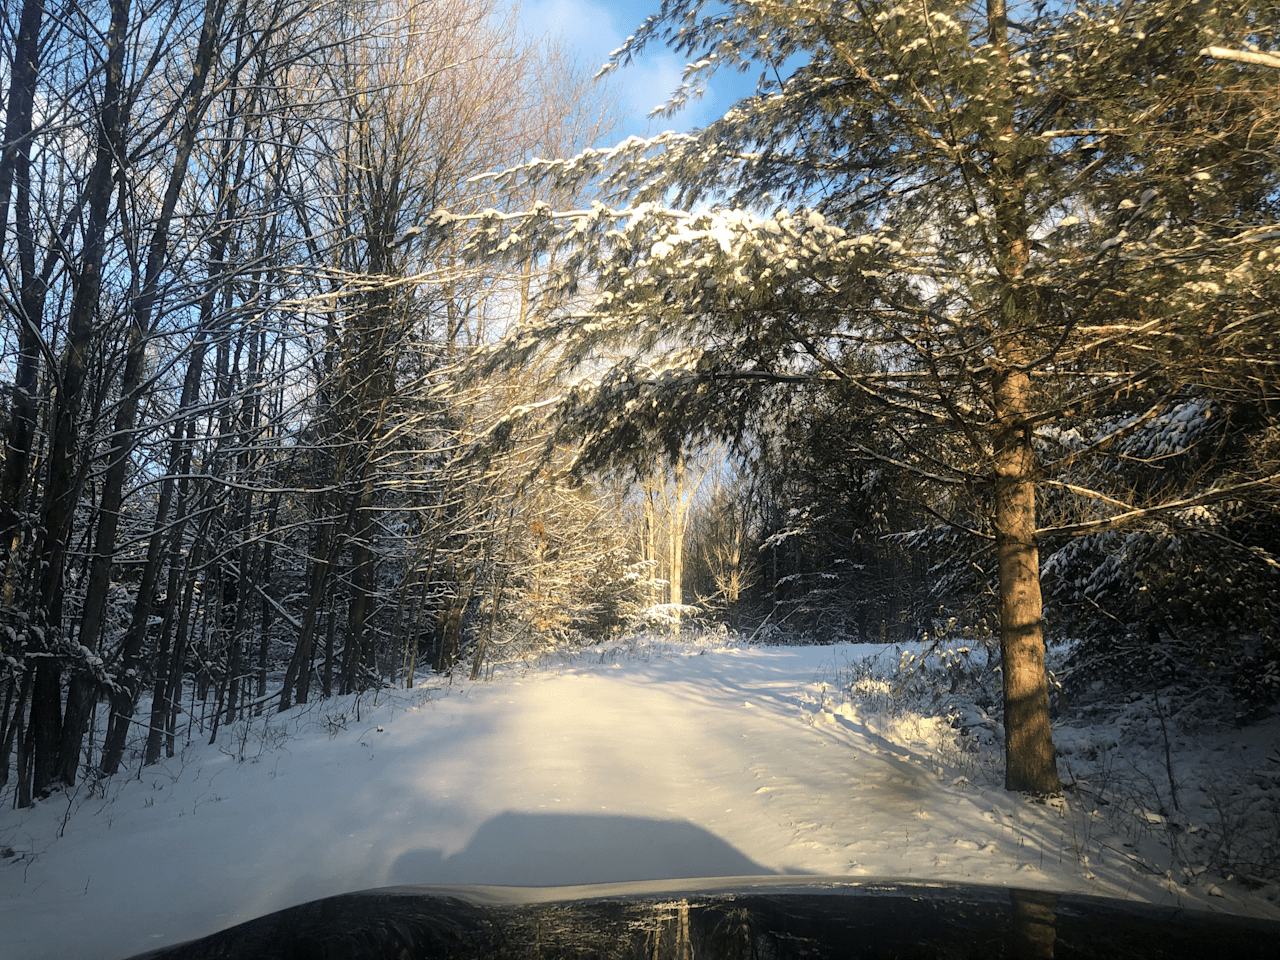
(1242, 56)
(1130, 516)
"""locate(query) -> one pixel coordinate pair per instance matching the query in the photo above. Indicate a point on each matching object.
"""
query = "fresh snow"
(635, 760)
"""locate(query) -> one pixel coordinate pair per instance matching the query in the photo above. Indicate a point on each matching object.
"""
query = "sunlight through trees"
(333, 352)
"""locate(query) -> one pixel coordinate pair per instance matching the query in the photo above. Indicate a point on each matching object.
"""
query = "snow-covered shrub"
(668, 617)
(952, 661)
(943, 691)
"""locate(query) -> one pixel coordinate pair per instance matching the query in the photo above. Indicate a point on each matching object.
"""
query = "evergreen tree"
(984, 221)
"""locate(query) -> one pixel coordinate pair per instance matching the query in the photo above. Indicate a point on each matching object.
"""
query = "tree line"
(235, 436)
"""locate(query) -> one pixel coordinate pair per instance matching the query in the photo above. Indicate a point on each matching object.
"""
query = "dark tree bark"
(297, 673)
(65, 476)
(167, 681)
(363, 592)
(15, 166)
(141, 318)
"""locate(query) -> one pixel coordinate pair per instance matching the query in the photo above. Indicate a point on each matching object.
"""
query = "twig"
(1168, 757)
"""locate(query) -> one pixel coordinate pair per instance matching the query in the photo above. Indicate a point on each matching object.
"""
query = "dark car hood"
(748, 918)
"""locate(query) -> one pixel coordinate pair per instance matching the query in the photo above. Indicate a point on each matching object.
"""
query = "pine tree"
(981, 221)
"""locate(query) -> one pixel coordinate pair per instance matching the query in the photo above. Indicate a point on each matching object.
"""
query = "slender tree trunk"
(151, 752)
(65, 478)
(238, 630)
(123, 435)
(328, 547)
(24, 745)
(454, 618)
(651, 547)
(267, 611)
(165, 679)
(14, 716)
(676, 542)
(482, 643)
(415, 633)
(15, 166)
(181, 642)
(297, 674)
(6, 735)
(331, 629)
(398, 627)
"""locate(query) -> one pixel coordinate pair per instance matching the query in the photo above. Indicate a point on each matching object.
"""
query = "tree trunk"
(415, 633)
(266, 615)
(23, 798)
(46, 725)
(166, 681)
(65, 479)
(298, 674)
(181, 641)
(331, 627)
(482, 643)
(676, 543)
(1030, 765)
(11, 727)
(15, 165)
(168, 686)
(124, 437)
(357, 653)
(454, 619)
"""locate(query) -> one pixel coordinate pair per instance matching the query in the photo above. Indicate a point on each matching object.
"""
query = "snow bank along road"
(693, 763)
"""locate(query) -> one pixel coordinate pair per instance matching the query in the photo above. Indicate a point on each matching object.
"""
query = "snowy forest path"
(724, 762)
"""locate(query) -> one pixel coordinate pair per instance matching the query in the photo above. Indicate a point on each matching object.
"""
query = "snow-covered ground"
(631, 761)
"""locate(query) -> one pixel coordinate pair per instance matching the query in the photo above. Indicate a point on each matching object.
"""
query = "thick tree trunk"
(46, 724)
(1030, 764)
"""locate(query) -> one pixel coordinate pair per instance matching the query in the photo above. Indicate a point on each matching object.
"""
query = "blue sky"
(596, 27)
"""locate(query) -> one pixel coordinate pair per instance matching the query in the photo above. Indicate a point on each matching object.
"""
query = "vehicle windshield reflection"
(742, 919)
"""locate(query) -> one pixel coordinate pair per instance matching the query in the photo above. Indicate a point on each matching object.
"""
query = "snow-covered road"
(695, 762)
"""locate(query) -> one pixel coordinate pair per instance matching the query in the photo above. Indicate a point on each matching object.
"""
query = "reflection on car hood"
(749, 918)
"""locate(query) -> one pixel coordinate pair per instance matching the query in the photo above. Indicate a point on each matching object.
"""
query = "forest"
(335, 350)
